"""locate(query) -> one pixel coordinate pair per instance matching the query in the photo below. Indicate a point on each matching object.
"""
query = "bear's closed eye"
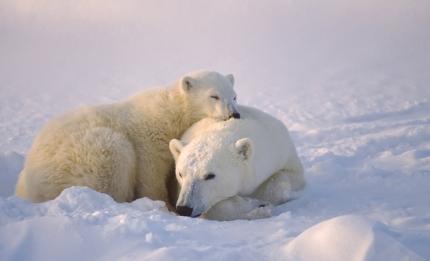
(209, 176)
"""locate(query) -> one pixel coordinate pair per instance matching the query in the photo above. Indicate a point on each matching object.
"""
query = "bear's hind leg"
(109, 163)
(98, 158)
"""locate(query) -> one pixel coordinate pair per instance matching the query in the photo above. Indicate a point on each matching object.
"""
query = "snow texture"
(350, 80)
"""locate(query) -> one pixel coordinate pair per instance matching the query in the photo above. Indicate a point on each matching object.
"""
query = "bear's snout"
(184, 211)
(235, 115)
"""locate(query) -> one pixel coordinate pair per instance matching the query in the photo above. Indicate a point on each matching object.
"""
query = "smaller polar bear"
(228, 169)
(122, 149)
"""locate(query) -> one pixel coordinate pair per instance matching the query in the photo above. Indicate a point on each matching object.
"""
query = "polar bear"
(122, 149)
(235, 166)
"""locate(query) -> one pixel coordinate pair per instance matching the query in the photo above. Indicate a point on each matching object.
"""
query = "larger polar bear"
(235, 165)
(122, 149)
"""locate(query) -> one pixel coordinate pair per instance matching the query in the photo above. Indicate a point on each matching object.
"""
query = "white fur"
(122, 148)
(251, 157)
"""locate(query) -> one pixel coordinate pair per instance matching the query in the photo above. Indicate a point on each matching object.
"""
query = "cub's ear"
(175, 147)
(244, 148)
(187, 83)
(230, 77)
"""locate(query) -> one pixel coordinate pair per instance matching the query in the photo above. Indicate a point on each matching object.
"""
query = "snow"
(355, 238)
(349, 79)
(10, 165)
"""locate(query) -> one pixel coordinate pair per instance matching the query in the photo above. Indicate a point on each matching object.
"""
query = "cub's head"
(209, 169)
(210, 94)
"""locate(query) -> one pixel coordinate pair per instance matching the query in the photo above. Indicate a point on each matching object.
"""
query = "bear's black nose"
(236, 115)
(184, 211)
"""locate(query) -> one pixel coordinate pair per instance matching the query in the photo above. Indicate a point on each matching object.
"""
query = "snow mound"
(10, 165)
(82, 203)
(349, 237)
(79, 223)
(348, 78)
(85, 224)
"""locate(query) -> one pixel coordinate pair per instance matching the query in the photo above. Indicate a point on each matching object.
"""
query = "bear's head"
(209, 169)
(210, 94)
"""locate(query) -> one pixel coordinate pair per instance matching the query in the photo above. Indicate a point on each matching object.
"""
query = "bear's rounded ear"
(244, 148)
(175, 147)
(187, 83)
(230, 77)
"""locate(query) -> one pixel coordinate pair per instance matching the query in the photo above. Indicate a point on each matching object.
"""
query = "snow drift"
(348, 78)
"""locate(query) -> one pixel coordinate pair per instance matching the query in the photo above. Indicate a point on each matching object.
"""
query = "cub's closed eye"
(235, 98)
(215, 97)
(180, 175)
(209, 176)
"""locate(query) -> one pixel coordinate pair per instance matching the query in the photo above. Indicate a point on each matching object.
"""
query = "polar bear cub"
(235, 166)
(122, 149)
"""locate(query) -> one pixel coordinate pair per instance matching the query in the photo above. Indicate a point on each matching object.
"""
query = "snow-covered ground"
(350, 79)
